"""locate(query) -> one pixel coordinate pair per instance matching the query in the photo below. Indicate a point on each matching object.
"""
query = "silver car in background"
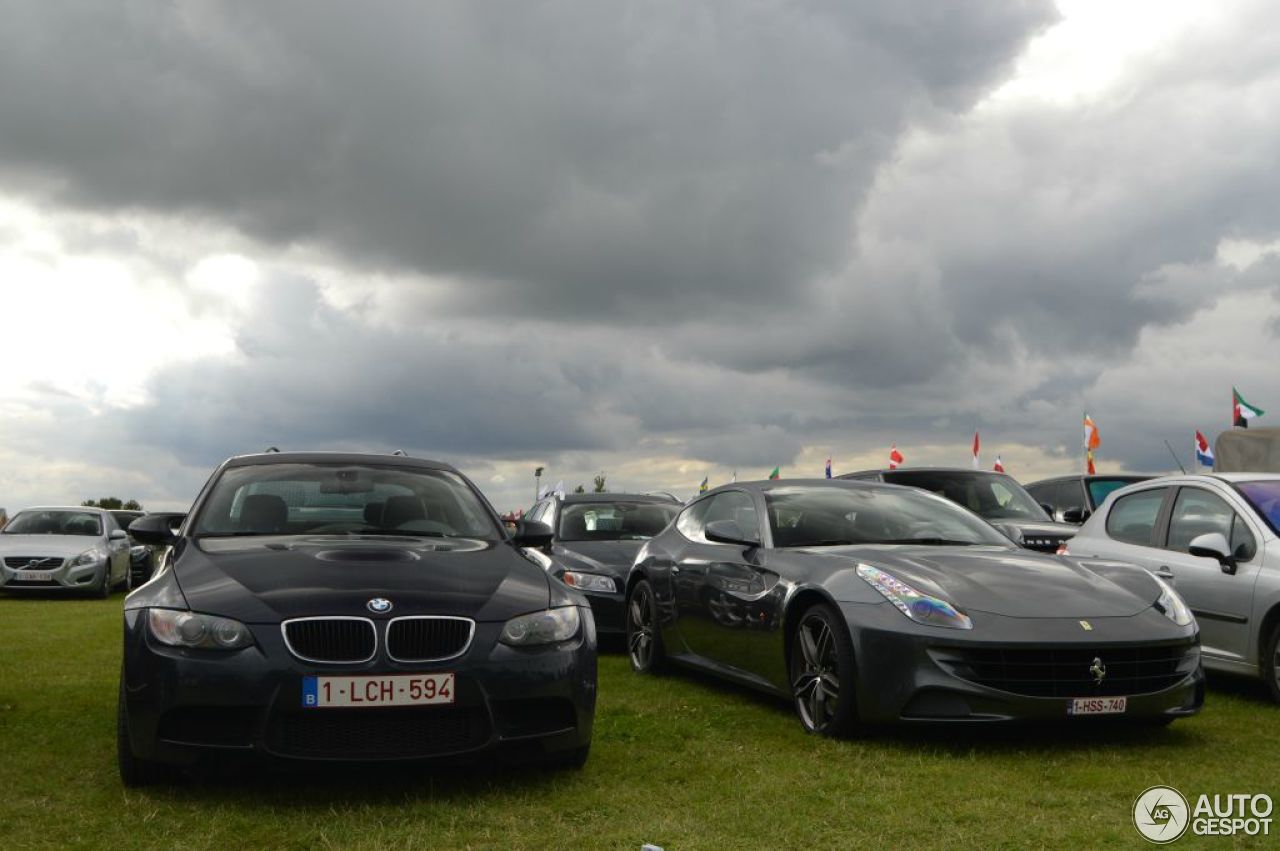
(1215, 538)
(64, 549)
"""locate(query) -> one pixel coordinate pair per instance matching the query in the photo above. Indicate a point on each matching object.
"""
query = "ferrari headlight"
(1170, 604)
(589, 581)
(190, 629)
(92, 556)
(921, 608)
(545, 627)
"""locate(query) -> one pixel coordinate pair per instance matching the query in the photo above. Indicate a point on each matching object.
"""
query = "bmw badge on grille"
(378, 605)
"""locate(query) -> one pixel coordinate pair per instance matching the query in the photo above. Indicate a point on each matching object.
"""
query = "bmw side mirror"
(157, 529)
(531, 533)
(728, 532)
(1213, 545)
(117, 535)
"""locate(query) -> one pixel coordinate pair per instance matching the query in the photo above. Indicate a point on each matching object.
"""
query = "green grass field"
(677, 761)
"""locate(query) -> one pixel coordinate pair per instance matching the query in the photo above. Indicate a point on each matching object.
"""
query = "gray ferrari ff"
(868, 602)
(350, 607)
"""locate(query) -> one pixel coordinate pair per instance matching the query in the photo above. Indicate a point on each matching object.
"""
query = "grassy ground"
(677, 761)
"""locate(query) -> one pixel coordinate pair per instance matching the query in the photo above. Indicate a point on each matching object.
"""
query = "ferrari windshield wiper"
(926, 542)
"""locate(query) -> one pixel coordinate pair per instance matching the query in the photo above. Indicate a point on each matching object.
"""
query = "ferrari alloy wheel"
(644, 644)
(822, 673)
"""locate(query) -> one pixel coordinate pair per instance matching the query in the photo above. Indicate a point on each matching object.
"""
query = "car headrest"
(263, 512)
(402, 509)
(373, 512)
(574, 526)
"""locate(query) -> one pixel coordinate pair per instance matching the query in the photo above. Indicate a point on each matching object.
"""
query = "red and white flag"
(976, 444)
(895, 457)
(999, 468)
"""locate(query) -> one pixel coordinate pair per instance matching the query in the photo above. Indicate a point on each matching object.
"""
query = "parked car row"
(356, 607)
(79, 549)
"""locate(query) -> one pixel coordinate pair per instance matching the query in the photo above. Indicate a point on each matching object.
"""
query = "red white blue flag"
(1204, 453)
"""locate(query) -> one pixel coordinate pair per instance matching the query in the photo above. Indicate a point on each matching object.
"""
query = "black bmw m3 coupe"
(867, 602)
(331, 607)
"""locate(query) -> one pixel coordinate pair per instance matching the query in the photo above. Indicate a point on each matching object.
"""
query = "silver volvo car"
(64, 549)
(1214, 537)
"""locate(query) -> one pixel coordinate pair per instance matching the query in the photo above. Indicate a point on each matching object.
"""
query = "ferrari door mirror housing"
(117, 535)
(1213, 545)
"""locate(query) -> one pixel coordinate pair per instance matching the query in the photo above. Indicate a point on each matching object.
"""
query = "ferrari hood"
(1013, 583)
(268, 579)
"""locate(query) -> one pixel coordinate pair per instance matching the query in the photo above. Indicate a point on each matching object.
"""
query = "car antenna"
(1175, 458)
(271, 449)
(401, 453)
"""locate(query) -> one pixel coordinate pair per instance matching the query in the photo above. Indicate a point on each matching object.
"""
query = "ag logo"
(1161, 814)
(379, 605)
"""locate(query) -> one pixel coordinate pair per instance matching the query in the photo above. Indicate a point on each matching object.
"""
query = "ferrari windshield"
(614, 521)
(42, 522)
(989, 495)
(808, 516)
(343, 499)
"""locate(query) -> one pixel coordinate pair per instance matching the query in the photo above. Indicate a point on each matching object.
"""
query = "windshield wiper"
(831, 542)
(926, 542)
(400, 533)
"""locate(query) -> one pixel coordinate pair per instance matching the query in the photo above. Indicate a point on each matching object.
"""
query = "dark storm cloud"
(562, 158)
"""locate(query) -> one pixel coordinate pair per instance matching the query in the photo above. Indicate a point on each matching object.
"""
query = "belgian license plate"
(33, 575)
(1097, 705)
(391, 690)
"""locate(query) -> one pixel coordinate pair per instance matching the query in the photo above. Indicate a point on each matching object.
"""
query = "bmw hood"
(47, 546)
(268, 579)
(1015, 583)
(611, 558)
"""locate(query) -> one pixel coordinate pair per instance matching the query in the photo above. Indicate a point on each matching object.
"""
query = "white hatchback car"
(1215, 538)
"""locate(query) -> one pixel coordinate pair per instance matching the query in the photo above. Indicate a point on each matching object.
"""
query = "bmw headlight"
(92, 556)
(545, 627)
(921, 608)
(189, 629)
(589, 581)
(1170, 604)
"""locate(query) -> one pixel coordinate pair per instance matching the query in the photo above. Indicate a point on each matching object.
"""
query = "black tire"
(644, 641)
(103, 590)
(822, 671)
(134, 772)
(1271, 663)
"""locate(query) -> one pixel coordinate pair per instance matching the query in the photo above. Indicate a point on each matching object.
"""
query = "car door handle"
(1164, 572)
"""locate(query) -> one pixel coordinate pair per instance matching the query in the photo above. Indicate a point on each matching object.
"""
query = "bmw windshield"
(991, 496)
(809, 516)
(343, 499)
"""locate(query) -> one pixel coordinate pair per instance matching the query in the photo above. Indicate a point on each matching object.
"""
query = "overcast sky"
(662, 240)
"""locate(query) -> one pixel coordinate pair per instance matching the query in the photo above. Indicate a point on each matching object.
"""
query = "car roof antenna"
(401, 453)
(270, 449)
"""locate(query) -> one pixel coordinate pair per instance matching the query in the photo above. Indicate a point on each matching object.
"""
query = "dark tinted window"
(1198, 512)
(614, 521)
(1132, 518)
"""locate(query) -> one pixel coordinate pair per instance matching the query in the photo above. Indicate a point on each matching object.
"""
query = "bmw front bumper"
(183, 705)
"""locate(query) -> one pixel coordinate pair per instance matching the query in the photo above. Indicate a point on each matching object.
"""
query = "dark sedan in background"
(1072, 499)
(324, 607)
(596, 538)
(866, 602)
(995, 497)
(142, 557)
